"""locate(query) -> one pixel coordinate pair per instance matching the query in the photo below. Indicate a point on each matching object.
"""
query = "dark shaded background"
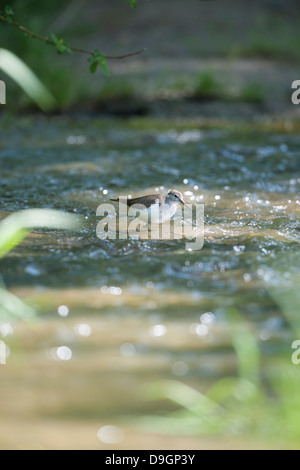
(250, 50)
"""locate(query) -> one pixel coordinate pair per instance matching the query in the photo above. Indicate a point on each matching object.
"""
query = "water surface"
(140, 310)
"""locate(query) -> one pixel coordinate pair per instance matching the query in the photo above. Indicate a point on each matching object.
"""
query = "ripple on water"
(249, 185)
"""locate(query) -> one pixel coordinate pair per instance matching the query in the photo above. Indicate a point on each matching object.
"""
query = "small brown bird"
(160, 207)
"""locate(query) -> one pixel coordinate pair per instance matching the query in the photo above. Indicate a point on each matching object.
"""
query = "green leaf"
(13, 308)
(93, 67)
(8, 10)
(26, 79)
(54, 38)
(61, 46)
(8, 13)
(15, 227)
(94, 55)
(13, 230)
(246, 348)
(104, 68)
(98, 59)
(11, 237)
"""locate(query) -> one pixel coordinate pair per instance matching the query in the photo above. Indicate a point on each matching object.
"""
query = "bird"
(160, 207)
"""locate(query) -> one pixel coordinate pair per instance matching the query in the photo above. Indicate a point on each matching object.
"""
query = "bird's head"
(175, 196)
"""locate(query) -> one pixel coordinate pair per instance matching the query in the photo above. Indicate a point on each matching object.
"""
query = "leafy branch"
(96, 58)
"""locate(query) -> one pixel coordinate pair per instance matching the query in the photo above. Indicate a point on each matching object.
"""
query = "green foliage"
(116, 90)
(7, 13)
(11, 307)
(13, 229)
(255, 403)
(252, 93)
(26, 79)
(98, 59)
(60, 45)
(133, 3)
(16, 226)
(207, 86)
(283, 47)
(229, 402)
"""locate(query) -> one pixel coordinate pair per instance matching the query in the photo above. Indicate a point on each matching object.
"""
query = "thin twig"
(75, 49)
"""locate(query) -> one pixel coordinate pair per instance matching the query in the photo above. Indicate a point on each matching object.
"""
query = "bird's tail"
(117, 200)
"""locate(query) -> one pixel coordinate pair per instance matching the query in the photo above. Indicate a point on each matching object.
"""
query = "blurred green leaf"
(15, 227)
(245, 346)
(183, 395)
(10, 238)
(133, 3)
(8, 10)
(26, 79)
(93, 67)
(8, 13)
(11, 307)
(54, 38)
(104, 68)
(233, 387)
(241, 404)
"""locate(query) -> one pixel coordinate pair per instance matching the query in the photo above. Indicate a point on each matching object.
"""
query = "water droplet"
(180, 368)
(207, 318)
(32, 270)
(76, 139)
(63, 310)
(247, 277)
(115, 290)
(127, 349)
(158, 330)
(83, 329)
(199, 329)
(239, 249)
(63, 353)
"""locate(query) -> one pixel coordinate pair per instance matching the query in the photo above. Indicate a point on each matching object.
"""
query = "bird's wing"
(146, 201)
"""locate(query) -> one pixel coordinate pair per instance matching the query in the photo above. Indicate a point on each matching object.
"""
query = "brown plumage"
(171, 197)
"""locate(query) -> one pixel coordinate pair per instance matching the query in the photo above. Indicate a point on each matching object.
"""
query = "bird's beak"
(182, 202)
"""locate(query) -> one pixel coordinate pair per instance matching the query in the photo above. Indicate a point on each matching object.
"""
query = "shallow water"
(140, 310)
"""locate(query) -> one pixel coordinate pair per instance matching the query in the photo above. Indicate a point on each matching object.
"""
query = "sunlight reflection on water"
(128, 312)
